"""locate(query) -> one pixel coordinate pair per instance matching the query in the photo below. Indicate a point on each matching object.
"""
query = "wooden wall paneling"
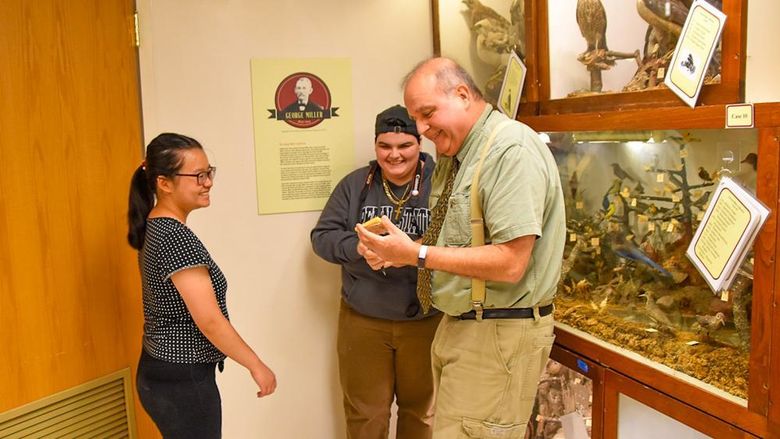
(70, 136)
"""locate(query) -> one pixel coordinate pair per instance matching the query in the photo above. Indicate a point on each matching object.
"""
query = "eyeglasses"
(202, 176)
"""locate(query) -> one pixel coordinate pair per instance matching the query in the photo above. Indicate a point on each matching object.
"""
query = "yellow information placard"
(512, 87)
(695, 47)
(304, 131)
(724, 228)
(725, 236)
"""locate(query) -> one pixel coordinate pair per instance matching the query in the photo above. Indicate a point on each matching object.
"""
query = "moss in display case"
(633, 202)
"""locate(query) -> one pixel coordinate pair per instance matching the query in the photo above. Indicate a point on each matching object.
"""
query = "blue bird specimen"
(628, 250)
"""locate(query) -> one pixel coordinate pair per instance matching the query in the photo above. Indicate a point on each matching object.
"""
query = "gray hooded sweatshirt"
(392, 295)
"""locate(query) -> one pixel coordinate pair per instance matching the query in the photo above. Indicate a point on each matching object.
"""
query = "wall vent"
(102, 408)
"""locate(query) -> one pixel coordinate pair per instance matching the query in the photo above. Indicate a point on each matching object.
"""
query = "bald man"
(488, 353)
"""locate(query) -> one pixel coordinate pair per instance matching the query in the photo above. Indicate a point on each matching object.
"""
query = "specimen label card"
(691, 58)
(739, 116)
(512, 87)
(726, 234)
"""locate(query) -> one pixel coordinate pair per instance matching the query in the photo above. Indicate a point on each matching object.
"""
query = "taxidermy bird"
(751, 159)
(628, 250)
(665, 19)
(620, 172)
(653, 311)
(747, 176)
(496, 36)
(710, 324)
(704, 175)
(573, 184)
(701, 201)
(592, 20)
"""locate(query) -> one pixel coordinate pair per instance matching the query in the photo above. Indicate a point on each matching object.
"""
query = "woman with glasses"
(186, 329)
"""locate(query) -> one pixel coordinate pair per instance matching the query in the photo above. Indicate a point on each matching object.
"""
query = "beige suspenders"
(478, 222)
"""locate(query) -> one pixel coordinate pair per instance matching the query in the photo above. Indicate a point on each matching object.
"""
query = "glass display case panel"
(564, 404)
(633, 202)
(480, 35)
(635, 420)
(600, 47)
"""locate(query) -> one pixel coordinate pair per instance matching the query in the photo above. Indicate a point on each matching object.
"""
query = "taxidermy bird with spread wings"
(496, 37)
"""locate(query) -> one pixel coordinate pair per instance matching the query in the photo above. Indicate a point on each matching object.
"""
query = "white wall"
(763, 52)
(283, 299)
(195, 79)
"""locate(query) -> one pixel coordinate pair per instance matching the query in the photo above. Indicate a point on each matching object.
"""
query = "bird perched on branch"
(592, 20)
(620, 172)
(704, 175)
(701, 201)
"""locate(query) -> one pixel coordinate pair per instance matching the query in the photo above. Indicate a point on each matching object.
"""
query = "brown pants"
(380, 360)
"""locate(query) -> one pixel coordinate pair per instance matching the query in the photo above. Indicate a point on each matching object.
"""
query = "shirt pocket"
(457, 224)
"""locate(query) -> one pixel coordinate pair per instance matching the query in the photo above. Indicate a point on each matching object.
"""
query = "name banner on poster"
(304, 131)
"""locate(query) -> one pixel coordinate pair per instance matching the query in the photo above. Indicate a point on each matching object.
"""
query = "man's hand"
(395, 248)
(373, 261)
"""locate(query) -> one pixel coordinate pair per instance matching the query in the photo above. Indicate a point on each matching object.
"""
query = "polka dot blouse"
(170, 334)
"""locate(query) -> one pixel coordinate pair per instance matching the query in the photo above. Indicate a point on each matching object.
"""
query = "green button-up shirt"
(521, 195)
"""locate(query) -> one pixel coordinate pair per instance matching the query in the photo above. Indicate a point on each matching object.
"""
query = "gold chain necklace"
(398, 202)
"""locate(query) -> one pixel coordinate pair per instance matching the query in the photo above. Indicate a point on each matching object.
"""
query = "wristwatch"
(421, 257)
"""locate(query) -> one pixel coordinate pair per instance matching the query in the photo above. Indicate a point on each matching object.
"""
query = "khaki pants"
(486, 374)
(381, 360)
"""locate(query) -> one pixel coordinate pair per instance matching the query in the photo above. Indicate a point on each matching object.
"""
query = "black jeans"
(182, 399)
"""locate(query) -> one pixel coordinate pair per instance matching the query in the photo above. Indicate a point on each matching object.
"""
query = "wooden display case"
(541, 23)
(659, 388)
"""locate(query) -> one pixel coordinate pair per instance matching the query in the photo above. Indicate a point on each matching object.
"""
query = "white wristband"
(421, 256)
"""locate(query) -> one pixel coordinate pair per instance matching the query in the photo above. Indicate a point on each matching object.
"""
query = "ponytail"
(163, 158)
(140, 203)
